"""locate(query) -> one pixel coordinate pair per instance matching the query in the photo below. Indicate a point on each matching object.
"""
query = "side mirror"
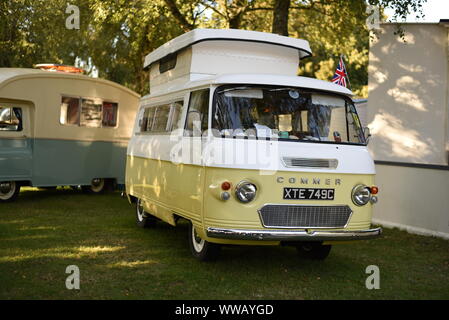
(366, 134)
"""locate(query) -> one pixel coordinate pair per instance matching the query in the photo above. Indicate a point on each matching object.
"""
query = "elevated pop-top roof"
(199, 35)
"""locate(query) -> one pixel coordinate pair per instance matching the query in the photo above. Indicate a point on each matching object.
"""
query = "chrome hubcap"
(5, 187)
(97, 184)
(139, 210)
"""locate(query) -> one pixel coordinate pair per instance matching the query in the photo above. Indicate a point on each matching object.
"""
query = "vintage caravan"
(232, 140)
(59, 128)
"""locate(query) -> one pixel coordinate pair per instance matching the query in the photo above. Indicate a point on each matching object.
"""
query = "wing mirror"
(366, 134)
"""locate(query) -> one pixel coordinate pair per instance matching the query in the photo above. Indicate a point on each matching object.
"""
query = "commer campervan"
(232, 140)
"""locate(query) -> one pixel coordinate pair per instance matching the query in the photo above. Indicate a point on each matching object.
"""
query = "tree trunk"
(280, 17)
(235, 21)
(185, 25)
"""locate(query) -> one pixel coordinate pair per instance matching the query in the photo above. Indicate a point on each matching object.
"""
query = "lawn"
(45, 231)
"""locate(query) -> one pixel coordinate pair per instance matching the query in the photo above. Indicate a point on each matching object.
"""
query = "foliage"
(115, 35)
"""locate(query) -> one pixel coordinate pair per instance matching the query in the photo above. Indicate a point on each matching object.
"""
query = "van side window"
(163, 118)
(94, 113)
(198, 112)
(175, 114)
(10, 119)
(147, 120)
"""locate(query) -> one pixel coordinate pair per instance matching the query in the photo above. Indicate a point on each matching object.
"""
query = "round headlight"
(361, 195)
(245, 191)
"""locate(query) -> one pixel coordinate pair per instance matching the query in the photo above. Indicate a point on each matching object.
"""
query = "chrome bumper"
(289, 235)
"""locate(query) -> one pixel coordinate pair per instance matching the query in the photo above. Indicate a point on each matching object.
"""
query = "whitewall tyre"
(200, 248)
(143, 218)
(9, 190)
(97, 185)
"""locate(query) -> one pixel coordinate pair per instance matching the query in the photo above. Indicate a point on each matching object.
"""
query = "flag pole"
(347, 73)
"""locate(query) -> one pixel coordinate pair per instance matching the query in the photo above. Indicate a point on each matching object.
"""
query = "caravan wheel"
(97, 185)
(9, 190)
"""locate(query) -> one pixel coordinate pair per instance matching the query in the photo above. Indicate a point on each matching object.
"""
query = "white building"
(408, 114)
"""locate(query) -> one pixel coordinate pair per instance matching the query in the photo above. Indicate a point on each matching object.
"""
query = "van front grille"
(310, 163)
(303, 216)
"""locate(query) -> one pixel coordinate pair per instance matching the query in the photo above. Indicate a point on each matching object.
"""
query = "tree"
(116, 35)
(281, 10)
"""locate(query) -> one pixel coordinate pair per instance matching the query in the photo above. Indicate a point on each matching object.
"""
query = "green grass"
(45, 231)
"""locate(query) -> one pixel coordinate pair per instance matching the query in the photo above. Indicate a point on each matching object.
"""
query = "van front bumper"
(290, 235)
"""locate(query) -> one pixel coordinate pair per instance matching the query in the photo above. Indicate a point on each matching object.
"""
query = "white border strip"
(411, 229)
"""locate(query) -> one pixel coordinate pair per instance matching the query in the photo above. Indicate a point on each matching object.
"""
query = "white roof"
(199, 35)
(258, 79)
(11, 74)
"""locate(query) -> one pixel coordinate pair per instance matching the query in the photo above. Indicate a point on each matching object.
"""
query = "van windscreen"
(286, 114)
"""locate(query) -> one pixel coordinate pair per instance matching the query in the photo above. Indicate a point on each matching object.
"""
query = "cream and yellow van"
(62, 128)
(233, 141)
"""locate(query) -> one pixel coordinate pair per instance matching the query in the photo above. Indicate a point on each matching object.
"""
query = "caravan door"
(15, 142)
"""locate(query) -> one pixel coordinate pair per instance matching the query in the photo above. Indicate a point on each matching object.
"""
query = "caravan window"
(109, 114)
(10, 119)
(70, 111)
(91, 111)
(94, 113)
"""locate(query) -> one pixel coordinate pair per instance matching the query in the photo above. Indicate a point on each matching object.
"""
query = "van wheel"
(200, 248)
(313, 250)
(97, 185)
(9, 190)
(143, 218)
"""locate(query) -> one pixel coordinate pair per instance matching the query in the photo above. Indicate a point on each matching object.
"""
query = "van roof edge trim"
(256, 79)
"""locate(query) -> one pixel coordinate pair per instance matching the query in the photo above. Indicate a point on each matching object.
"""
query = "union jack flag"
(341, 76)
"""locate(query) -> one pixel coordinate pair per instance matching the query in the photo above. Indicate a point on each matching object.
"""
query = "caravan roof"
(200, 35)
(8, 75)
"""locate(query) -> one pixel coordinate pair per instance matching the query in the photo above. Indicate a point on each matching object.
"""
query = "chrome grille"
(310, 163)
(302, 216)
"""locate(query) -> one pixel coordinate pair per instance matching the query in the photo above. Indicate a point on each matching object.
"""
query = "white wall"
(413, 199)
(408, 117)
(408, 94)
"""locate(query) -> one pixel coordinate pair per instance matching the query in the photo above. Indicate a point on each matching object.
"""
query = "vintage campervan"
(233, 141)
(59, 128)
